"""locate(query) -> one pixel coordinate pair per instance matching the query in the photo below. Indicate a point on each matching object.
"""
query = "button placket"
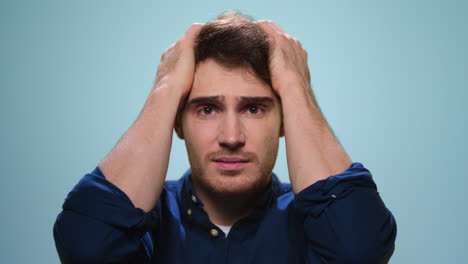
(214, 233)
(194, 199)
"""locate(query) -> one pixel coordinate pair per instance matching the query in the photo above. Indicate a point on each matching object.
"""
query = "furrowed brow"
(257, 100)
(206, 100)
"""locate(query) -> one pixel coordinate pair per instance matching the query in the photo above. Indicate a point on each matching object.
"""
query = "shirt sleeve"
(99, 224)
(345, 220)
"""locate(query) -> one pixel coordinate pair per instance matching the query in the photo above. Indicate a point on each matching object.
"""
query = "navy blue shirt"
(341, 219)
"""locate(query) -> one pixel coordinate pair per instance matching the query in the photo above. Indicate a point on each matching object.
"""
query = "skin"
(313, 152)
(138, 163)
(227, 126)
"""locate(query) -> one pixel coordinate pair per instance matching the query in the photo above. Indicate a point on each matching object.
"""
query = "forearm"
(313, 151)
(345, 220)
(138, 162)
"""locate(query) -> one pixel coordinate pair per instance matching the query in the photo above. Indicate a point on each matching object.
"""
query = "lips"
(231, 163)
(231, 159)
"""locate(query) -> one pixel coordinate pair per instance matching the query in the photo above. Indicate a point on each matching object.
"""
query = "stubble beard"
(224, 184)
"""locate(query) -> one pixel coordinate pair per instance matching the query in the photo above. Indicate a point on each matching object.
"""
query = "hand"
(177, 66)
(288, 62)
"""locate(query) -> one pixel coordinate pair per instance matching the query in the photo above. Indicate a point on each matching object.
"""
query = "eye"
(253, 109)
(207, 110)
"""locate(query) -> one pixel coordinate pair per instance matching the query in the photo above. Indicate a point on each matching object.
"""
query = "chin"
(227, 183)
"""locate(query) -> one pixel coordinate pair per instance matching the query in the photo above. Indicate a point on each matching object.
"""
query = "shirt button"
(194, 199)
(189, 211)
(214, 232)
(334, 196)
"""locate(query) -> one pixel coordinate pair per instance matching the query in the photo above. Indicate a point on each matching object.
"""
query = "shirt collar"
(192, 207)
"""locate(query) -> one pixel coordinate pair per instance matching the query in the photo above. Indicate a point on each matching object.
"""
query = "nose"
(231, 134)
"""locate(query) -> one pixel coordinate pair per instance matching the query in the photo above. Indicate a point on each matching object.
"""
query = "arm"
(344, 218)
(313, 152)
(138, 163)
(99, 224)
(109, 215)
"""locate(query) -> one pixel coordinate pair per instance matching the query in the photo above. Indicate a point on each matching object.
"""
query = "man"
(230, 89)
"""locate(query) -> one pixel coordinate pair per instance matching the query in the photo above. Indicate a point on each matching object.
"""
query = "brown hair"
(234, 41)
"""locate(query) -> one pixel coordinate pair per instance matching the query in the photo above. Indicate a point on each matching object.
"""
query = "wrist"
(297, 101)
(297, 92)
(291, 88)
(162, 103)
(167, 90)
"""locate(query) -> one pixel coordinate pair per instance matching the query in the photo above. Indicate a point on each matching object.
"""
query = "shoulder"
(282, 192)
(173, 186)
(172, 190)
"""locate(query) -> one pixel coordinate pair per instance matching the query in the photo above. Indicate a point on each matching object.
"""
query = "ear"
(281, 130)
(281, 134)
(178, 128)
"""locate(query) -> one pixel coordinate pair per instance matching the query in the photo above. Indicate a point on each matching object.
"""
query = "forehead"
(213, 79)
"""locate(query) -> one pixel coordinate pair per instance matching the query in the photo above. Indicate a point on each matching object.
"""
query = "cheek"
(268, 125)
(263, 134)
(199, 134)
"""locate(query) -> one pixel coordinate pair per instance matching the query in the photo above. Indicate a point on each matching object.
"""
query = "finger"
(277, 33)
(269, 30)
(170, 47)
(192, 33)
(266, 26)
(278, 28)
(272, 25)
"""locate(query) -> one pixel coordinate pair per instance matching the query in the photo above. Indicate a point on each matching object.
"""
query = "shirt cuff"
(96, 197)
(318, 196)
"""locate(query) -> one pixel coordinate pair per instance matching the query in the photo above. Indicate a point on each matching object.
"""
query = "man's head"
(231, 121)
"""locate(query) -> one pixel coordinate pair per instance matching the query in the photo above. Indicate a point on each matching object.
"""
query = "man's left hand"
(288, 65)
(312, 149)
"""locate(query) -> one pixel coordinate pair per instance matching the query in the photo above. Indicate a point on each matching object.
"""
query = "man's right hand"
(177, 66)
(139, 161)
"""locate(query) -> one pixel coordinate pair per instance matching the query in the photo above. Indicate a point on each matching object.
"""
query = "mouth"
(231, 164)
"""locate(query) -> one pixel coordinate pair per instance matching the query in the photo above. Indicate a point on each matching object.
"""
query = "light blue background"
(390, 76)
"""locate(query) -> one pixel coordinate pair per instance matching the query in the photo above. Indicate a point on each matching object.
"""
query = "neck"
(227, 209)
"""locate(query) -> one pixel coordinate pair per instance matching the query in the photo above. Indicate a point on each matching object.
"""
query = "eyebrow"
(206, 100)
(220, 98)
(257, 99)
